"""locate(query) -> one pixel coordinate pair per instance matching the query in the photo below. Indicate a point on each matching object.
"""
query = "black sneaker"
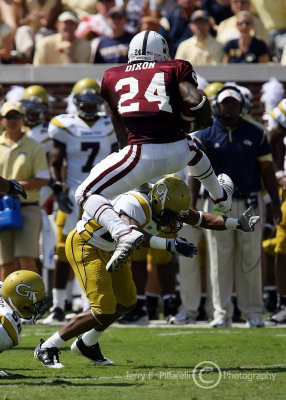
(170, 308)
(57, 317)
(270, 300)
(152, 307)
(277, 318)
(68, 305)
(136, 316)
(91, 352)
(49, 357)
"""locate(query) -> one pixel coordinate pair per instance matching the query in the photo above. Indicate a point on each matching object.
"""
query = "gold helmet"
(35, 104)
(87, 98)
(211, 91)
(24, 292)
(169, 197)
(212, 88)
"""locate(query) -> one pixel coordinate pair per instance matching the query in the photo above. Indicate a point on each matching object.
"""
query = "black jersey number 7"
(94, 147)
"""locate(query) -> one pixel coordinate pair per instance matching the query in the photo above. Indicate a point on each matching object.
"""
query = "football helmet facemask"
(24, 292)
(35, 104)
(87, 99)
(148, 46)
(169, 197)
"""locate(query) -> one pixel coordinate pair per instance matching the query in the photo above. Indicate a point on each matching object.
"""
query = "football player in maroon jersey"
(146, 97)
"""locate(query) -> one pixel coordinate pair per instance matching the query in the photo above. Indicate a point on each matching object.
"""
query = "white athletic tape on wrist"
(158, 243)
(231, 223)
(200, 219)
(198, 106)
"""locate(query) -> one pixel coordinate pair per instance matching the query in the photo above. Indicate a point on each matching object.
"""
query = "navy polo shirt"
(236, 152)
(179, 29)
(113, 50)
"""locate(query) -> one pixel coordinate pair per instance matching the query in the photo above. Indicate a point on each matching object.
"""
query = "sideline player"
(88, 249)
(22, 295)
(146, 98)
(80, 140)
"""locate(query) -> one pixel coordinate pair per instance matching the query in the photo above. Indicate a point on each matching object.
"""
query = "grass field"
(161, 363)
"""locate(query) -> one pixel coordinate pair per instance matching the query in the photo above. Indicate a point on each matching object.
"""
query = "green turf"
(154, 363)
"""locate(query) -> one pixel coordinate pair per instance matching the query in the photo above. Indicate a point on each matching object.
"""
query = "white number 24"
(156, 92)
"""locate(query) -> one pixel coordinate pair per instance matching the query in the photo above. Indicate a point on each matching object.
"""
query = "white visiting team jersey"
(134, 204)
(41, 135)
(10, 325)
(85, 145)
(278, 114)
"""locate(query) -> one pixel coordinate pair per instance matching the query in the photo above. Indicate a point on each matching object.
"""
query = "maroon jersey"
(146, 96)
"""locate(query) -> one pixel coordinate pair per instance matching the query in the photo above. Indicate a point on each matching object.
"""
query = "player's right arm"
(197, 103)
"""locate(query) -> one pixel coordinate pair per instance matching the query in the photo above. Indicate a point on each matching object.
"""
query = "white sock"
(102, 211)
(91, 337)
(59, 296)
(203, 171)
(85, 302)
(54, 341)
(69, 289)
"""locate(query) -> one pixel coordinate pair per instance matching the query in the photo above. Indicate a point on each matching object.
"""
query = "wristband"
(231, 224)
(158, 243)
(198, 106)
(279, 174)
(57, 187)
(200, 219)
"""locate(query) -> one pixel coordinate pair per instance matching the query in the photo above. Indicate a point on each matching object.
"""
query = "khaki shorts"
(103, 289)
(23, 242)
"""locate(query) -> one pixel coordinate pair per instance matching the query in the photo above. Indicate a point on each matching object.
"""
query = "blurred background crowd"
(99, 31)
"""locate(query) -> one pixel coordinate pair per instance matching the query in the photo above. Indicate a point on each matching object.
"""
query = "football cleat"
(57, 317)
(224, 204)
(182, 318)
(137, 316)
(124, 246)
(49, 357)
(220, 323)
(93, 353)
(277, 318)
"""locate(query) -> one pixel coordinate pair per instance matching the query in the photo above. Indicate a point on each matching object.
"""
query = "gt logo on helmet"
(162, 190)
(30, 294)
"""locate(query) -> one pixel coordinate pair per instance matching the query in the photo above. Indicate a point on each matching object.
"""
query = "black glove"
(181, 247)
(16, 188)
(247, 221)
(64, 202)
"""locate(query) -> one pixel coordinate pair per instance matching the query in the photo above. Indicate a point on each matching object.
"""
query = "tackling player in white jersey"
(22, 295)
(79, 141)
(89, 247)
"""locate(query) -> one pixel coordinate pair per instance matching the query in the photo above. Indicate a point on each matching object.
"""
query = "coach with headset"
(241, 150)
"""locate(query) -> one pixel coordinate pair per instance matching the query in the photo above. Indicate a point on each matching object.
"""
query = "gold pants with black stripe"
(103, 289)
